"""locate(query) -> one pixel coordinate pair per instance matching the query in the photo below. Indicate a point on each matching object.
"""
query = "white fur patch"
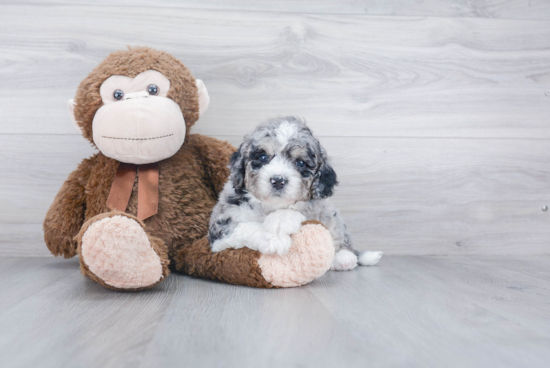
(344, 260)
(253, 236)
(272, 236)
(369, 258)
(285, 131)
(283, 222)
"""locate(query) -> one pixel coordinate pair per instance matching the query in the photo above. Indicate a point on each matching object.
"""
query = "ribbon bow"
(148, 189)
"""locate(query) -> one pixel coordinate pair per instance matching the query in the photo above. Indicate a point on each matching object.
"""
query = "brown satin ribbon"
(148, 189)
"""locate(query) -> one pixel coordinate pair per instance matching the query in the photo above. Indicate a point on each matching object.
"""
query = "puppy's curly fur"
(280, 177)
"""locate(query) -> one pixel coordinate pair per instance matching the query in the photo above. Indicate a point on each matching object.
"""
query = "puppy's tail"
(368, 258)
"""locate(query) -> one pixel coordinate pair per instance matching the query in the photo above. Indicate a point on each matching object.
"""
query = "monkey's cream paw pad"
(308, 258)
(344, 260)
(117, 250)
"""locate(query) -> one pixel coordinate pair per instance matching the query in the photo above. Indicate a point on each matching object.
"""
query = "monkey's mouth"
(139, 139)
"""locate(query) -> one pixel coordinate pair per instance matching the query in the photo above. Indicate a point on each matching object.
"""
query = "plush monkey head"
(138, 105)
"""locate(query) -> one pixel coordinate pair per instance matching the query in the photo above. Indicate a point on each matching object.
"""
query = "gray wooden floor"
(417, 311)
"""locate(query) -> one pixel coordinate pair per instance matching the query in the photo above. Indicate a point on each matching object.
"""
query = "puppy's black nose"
(278, 182)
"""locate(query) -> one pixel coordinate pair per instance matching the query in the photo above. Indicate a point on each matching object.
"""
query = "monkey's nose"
(278, 182)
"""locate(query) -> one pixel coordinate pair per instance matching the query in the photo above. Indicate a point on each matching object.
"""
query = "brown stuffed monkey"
(140, 207)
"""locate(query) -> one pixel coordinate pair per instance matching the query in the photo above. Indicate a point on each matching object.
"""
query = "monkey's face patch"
(138, 123)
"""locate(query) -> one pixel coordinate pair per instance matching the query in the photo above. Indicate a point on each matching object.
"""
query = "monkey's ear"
(70, 106)
(204, 99)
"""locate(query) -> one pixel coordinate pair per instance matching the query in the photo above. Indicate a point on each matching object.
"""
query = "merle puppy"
(280, 177)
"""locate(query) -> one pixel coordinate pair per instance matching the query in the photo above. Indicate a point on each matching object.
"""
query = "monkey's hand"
(66, 214)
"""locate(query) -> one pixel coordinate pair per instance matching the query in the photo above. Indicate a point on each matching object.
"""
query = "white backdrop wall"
(436, 113)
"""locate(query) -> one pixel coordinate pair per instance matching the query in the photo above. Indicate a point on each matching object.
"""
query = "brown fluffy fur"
(189, 181)
(189, 184)
(234, 266)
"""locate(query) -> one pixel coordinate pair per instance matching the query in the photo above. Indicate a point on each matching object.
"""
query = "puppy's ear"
(325, 179)
(238, 168)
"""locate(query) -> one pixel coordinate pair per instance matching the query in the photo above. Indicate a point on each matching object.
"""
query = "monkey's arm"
(66, 214)
(310, 257)
(215, 156)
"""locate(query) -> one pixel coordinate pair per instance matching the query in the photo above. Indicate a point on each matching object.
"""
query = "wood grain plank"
(401, 196)
(535, 267)
(222, 325)
(407, 311)
(349, 75)
(509, 293)
(523, 9)
(76, 322)
(406, 307)
(23, 277)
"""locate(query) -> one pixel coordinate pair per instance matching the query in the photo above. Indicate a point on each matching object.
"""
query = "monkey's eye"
(263, 158)
(118, 94)
(300, 163)
(153, 89)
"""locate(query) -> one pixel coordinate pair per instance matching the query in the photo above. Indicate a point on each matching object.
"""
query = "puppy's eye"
(152, 89)
(300, 163)
(118, 95)
(263, 158)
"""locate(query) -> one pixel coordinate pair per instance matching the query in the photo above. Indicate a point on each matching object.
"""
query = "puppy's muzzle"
(278, 182)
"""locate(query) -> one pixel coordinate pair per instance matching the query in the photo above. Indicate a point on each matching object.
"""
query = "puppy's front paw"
(344, 260)
(273, 244)
(219, 245)
(283, 222)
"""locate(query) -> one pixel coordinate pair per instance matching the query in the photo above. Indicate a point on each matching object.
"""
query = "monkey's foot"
(309, 257)
(116, 251)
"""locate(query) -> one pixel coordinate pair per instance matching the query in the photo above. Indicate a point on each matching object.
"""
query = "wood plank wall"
(436, 113)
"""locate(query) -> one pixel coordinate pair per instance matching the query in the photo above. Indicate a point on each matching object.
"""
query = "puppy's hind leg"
(347, 260)
(369, 258)
(344, 260)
